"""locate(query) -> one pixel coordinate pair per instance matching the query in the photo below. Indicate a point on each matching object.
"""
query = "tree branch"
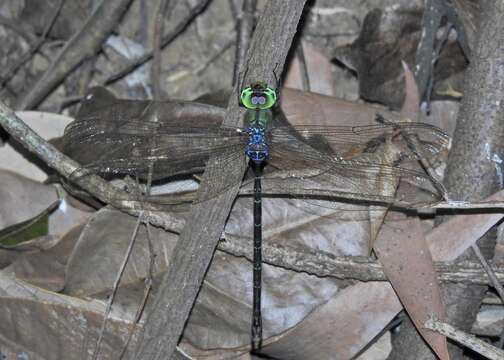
(196, 245)
(353, 267)
(67, 167)
(468, 340)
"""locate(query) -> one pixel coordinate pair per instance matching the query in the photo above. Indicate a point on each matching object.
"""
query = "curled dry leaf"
(46, 268)
(22, 199)
(387, 37)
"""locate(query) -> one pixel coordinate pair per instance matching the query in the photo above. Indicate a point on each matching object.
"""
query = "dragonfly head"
(258, 96)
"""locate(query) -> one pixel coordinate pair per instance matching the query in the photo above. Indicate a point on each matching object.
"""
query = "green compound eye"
(258, 98)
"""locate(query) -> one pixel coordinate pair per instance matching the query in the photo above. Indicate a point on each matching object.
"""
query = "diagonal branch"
(67, 167)
(196, 245)
(468, 340)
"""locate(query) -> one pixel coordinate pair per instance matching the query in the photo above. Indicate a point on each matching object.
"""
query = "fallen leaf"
(387, 37)
(22, 199)
(40, 324)
(99, 252)
(445, 242)
(340, 328)
(406, 260)
(46, 268)
(451, 238)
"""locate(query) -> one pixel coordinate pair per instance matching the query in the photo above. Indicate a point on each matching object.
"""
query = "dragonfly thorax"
(257, 148)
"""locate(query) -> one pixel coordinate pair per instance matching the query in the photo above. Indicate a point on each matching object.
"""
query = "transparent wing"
(336, 161)
(134, 147)
(349, 141)
(345, 162)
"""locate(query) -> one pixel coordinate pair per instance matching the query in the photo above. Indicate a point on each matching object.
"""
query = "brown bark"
(196, 245)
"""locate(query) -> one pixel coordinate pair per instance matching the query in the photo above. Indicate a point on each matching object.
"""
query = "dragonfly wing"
(139, 146)
(311, 172)
(350, 141)
(136, 146)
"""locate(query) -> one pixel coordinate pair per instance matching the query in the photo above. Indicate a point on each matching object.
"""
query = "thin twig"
(437, 52)
(9, 74)
(233, 9)
(150, 271)
(494, 281)
(500, 240)
(468, 340)
(465, 205)
(167, 39)
(116, 286)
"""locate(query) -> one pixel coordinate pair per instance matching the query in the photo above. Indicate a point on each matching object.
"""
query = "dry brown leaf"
(340, 328)
(46, 268)
(224, 301)
(39, 324)
(403, 251)
(98, 254)
(450, 239)
(22, 199)
(406, 260)
(70, 213)
(303, 108)
(445, 242)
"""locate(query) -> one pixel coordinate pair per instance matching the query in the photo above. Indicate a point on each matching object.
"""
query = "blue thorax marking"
(257, 148)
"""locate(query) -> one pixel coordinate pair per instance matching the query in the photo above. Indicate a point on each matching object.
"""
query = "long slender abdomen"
(256, 315)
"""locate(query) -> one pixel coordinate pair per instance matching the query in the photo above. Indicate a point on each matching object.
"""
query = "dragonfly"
(306, 161)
